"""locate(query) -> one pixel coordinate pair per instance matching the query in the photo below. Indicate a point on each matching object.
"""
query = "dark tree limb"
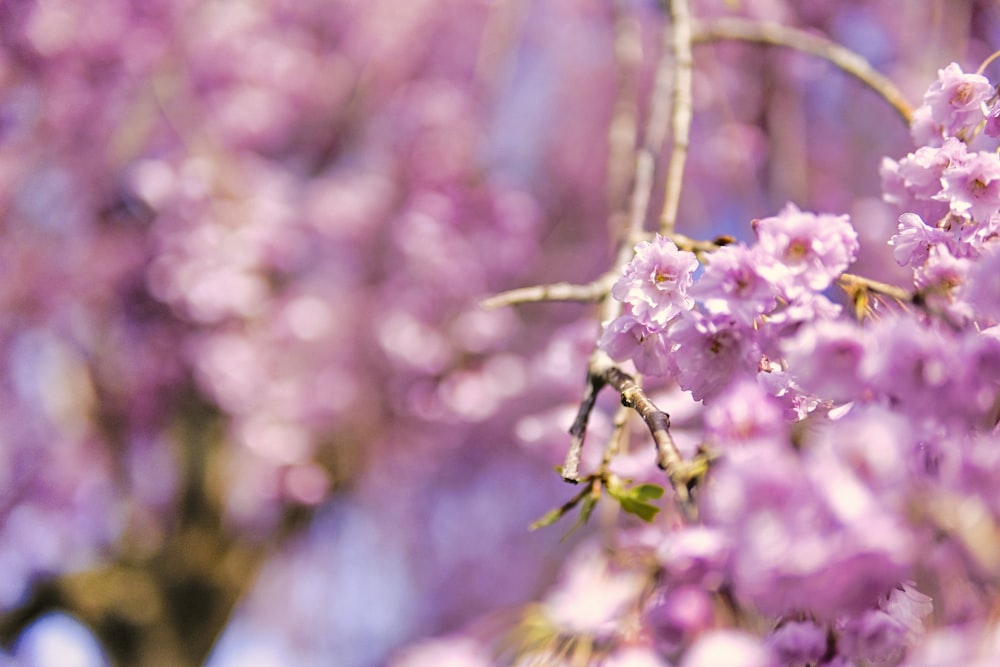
(603, 371)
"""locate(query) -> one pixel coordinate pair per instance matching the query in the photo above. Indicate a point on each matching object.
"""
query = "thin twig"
(623, 130)
(604, 371)
(850, 281)
(591, 292)
(653, 138)
(578, 431)
(986, 63)
(618, 437)
(681, 112)
(596, 290)
(767, 32)
(601, 369)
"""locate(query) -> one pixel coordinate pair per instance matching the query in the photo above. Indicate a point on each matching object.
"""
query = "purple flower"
(733, 285)
(711, 352)
(676, 615)
(874, 636)
(913, 183)
(981, 289)
(919, 371)
(952, 105)
(972, 188)
(909, 607)
(877, 446)
(912, 242)
(825, 356)
(992, 128)
(797, 643)
(627, 338)
(745, 416)
(807, 535)
(655, 283)
(804, 249)
(942, 271)
(922, 169)
(694, 554)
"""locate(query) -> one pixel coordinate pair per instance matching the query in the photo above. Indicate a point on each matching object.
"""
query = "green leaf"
(644, 511)
(589, 503)
(646, 492)
(586, 509)
(548, 519)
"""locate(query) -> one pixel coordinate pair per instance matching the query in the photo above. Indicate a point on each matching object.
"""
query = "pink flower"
(952, 105)
(798, 642)
(745, 416)
(805, 250)
(972, 187)
(732, 284)
(627, 338)
(981, 289)
(656, 282)
(912, 242)
(825, 357)
(711, 352)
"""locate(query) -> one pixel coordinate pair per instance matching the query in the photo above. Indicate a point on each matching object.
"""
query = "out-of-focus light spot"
(153, 180)
(530, 429)
(309, 318)
(51, 28)
(51, 374)
(592, 594)
(196, 177)
(469, 395)
(506, 374)
(59, 640)
(231, 366)
(274, 440)
(308, 484)
(412, 342)
(444, 652)
(479, 330)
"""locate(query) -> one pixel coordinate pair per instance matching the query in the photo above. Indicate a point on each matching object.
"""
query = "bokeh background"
(251, 410)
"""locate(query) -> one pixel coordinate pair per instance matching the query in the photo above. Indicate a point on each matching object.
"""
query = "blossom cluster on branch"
(251, 410)
(847, 514)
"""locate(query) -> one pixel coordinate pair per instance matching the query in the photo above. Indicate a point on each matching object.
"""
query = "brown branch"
(851, 283)
(668, 457)
(592, 292)
(775, 34)
(578, 431)
(603, 371)
(681, 112)
(598, 289)
(699, 246)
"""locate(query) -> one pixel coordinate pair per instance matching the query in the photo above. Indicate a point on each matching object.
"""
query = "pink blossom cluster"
(748, 298)
(849, 516)
(243, 245)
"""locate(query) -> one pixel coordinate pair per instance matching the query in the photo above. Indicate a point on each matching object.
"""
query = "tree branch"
(850, 282)
(591, 292)
(775, 34)
(623, 131)
(681, 112)
(603, 371)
